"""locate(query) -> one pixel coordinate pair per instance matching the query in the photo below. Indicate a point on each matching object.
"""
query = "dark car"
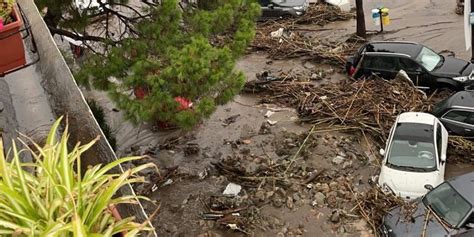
(283, 8)
(450, 207)
(427, 69)
(457, 113)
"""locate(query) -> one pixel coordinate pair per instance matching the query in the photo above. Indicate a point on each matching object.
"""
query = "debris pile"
(284, 39)
(293, 44)
(374, 204)
(366, 105)
(321, 14)
(460, 150)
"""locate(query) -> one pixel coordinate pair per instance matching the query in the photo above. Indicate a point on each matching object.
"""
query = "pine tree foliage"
(189, 54)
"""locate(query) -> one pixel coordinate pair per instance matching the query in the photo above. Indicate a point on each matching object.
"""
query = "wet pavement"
(27, 108)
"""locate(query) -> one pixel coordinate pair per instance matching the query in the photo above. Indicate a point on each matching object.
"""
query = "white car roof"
(416, 117)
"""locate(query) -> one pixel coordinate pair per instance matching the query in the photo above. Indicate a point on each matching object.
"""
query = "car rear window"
(412, 147)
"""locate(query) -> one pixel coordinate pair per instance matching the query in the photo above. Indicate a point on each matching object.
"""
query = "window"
(439, 139)
(470, 120)
(412, 148)
(428, 58)
(448, 204)
(409, 65)
(381, 63)
(264, 2)
(457, 115)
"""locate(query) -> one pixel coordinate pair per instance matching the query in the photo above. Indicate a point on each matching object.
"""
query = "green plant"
(6, 8)
(188, 54)
(99, 115)
(48, 197)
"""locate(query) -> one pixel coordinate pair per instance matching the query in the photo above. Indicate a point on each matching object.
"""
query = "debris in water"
(232, 189)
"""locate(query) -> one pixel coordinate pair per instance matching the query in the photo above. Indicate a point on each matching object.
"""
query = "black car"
(450, 207)
(283, 8)
(427, 69)
(457, 113)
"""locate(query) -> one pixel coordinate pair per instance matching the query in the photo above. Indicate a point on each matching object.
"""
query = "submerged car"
(415, 155)
(450, 210)
(427, 69)
(457, 113)
(283, 8)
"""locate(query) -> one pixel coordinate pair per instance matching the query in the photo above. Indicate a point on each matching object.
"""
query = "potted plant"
(48, 197)
(12, 50)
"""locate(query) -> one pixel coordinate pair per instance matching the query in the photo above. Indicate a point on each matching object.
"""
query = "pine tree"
(179, 54)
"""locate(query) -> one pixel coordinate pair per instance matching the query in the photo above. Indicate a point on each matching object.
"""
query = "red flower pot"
(12, 50)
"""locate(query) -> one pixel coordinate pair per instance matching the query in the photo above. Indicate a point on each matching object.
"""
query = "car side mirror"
(382, 152)
(429, 187)
(443, 157)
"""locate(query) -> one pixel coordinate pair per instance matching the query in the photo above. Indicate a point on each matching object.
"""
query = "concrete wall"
(66, 99)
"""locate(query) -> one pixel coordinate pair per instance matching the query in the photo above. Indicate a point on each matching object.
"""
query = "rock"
(334, 186)
(245, 151)
(264, 129)
(341, 230)
(260, 195)
(324, 188)
(308, 65)
(191, 149)
(207, 154)
(269, 194)
(319, 197)
(277, 201)
(338, 160)
(347, 164)
(331, 199)
(296, 197)
(252, 168)
(290, 203)
(335, 216)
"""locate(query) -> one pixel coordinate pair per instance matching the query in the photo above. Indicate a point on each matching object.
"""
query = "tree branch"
(78, 37)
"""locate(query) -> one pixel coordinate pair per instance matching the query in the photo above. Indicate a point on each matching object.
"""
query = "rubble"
(283, 39)
(369, 105)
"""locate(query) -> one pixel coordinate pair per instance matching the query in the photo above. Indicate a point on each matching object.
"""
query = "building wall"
(66, 99)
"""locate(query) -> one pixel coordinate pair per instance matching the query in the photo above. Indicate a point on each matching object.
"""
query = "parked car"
(415, 155)
(450, 205)
(457, 113)
(427, 69)
(283, 8)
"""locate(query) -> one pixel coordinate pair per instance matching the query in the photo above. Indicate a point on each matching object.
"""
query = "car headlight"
(299, 8)
(461, 79)
(387, 188)
(386, 230)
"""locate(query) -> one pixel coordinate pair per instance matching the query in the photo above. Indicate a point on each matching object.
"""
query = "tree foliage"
(189, 54)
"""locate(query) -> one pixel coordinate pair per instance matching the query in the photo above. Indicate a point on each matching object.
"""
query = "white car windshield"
(428, 58)
(448, 204)
(412, 148)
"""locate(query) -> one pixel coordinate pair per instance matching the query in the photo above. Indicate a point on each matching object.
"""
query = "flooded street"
(245, 130)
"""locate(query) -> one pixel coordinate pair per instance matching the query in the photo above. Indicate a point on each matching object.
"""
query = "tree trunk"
(360, 18)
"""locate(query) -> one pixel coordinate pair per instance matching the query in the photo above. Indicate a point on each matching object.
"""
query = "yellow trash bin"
(385, 16)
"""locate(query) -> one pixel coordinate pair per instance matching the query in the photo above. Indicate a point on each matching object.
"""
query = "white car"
(414, 156)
